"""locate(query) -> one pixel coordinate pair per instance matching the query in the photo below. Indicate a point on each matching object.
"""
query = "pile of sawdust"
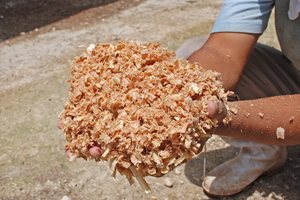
(140, 105)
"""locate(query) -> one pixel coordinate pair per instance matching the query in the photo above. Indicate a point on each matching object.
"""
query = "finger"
(95, 151)
(212, 109)
(222, 111)
(216, 110)
(59, 125)
(68, 153)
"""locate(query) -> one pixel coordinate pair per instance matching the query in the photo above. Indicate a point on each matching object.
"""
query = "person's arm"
(226, 53)
(256, 120)
(259, 120)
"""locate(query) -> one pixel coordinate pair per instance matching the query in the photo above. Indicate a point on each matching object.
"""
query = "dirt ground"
(38, 39)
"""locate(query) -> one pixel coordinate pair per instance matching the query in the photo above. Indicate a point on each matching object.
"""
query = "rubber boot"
(254, 160)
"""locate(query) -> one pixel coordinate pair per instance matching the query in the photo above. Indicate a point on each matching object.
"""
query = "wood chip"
(280, 133)
(261, 115)
(233, 110)
(292, 120)
(247, 115)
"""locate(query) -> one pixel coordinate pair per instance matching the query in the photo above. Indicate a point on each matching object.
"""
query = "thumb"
(216, 110)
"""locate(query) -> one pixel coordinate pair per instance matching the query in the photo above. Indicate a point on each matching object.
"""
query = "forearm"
(258, 120)
(226, 53)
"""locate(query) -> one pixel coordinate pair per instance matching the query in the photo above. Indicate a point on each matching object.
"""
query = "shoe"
(235, 175)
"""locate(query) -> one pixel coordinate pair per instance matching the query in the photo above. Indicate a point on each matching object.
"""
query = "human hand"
(94, 151)
(216, 110)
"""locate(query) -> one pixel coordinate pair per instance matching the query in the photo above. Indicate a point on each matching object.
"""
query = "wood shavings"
(117, 80)
(233, 110)
(146, 110)
(90, 48)
(180, 159)
(140, 179)
(106, 151)
(291, 120)
(227, 120)
(112, 164)
(247, 115)
(72, 157)
(261, 115)
(280, 133)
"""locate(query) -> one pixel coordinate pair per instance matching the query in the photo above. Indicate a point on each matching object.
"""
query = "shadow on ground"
(17, 16)
(263, 185)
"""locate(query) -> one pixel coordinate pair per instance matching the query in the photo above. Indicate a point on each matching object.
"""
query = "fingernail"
(212, 108)
(95, 151)
(68, 153)
(59, 125)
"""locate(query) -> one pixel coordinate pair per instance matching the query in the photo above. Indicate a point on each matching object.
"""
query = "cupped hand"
(216, 110)
(94, 151)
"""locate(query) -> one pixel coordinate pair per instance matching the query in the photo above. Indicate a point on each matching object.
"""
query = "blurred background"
(19, 16)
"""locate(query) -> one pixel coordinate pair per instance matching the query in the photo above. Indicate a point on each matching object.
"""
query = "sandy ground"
(33, 74)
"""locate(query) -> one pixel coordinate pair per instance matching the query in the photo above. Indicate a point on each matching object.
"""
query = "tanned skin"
(256, 120)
